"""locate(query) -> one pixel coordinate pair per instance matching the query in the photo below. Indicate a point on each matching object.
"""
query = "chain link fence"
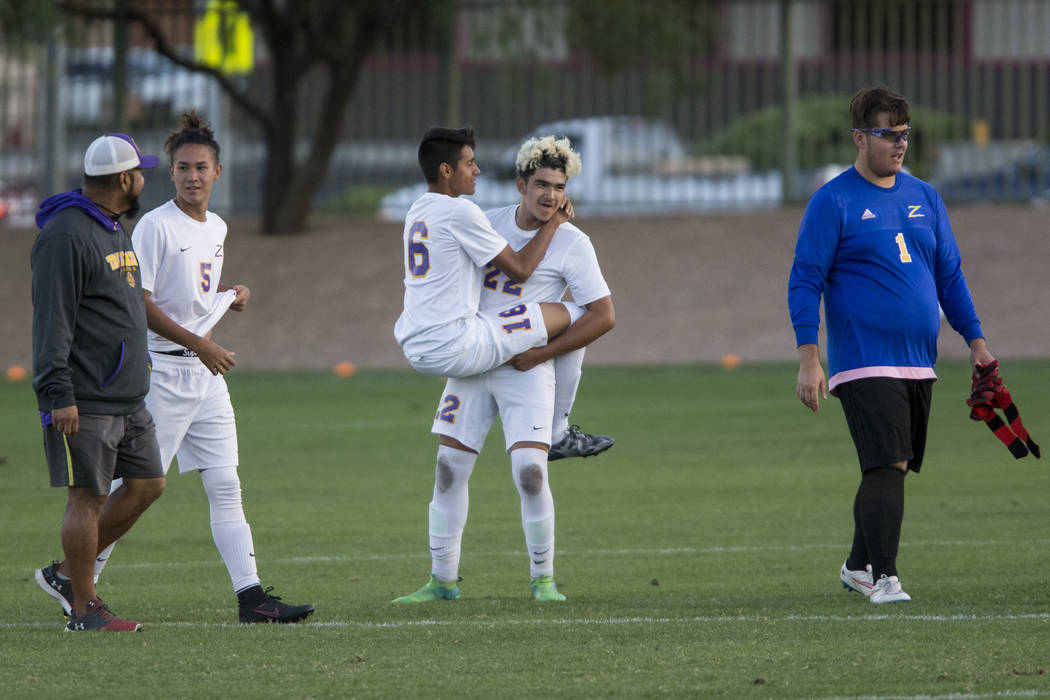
(701, 87)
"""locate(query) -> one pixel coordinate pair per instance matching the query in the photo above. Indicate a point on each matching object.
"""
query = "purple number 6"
(418, 255)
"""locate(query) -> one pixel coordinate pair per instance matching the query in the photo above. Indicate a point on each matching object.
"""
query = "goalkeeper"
(876, 243)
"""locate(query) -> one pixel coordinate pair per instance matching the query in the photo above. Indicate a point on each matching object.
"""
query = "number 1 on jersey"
(903, 247)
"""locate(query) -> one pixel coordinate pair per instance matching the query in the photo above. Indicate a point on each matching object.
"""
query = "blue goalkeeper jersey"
(883, 258)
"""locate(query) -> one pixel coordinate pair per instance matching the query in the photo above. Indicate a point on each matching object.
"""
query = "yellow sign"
(223, 38)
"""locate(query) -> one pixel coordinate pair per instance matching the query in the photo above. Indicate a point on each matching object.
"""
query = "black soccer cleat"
(61, 589)
(577, 443)
(270, 608)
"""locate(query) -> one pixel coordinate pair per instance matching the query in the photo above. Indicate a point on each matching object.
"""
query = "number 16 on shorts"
(523, 324)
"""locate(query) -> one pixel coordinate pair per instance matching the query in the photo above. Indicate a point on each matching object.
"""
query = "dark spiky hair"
(193, 128)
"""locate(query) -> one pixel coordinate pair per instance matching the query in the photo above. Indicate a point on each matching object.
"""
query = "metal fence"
(705, 92)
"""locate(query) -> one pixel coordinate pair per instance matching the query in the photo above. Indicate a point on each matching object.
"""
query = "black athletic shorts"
(105, 447)
(887, 419)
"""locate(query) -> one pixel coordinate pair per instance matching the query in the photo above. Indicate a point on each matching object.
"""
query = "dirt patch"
(686, 289)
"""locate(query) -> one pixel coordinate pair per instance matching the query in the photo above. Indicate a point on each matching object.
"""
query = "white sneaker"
(859, 581)
(888, 590)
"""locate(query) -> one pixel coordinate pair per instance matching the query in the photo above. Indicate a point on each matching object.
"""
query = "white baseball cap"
(115, 153)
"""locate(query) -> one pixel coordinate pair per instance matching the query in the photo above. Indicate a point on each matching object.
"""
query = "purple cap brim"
(145, 160)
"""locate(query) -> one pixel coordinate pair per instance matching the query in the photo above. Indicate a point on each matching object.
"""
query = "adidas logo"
(867, 215)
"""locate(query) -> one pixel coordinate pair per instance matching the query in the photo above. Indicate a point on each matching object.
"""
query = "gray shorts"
(104, 448)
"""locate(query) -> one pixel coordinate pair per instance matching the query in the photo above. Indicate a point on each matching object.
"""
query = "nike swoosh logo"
(267, 613)
(537, 427)
(183, 250)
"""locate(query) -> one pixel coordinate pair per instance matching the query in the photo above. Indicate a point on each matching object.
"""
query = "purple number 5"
(418, 254)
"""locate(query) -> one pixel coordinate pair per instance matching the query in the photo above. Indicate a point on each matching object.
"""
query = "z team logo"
(913, 211)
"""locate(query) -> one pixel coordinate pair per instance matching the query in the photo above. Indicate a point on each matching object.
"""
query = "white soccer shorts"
(524, 402)
(193, 413)
(489, 340)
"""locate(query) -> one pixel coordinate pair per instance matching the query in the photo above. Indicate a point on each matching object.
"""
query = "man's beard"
(132, 212)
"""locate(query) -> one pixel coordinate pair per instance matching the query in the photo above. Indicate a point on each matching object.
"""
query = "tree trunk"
(280, 136)
(291, 185)
(301, 182)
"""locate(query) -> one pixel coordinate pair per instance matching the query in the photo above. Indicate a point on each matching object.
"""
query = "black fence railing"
(977, 72)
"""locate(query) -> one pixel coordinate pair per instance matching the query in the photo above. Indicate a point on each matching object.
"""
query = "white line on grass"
(701, 619)
(949, 696)
(661, 551)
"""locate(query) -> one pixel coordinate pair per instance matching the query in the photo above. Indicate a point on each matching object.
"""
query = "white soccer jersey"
(181, 262)
(570, 263)
(524, 401)
(447, 243)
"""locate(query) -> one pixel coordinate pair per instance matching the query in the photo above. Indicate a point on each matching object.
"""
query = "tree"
(334, 36)
(23, 21)
(665, 36)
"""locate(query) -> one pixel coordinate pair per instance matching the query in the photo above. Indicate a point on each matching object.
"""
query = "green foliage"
(355, 201)
(26, 22)
(663, 35)
(700, 555)
(823, 130)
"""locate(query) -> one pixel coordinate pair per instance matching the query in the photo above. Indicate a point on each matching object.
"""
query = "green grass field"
(700, 555)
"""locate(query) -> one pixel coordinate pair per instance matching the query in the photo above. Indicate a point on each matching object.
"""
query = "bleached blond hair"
(547, 152)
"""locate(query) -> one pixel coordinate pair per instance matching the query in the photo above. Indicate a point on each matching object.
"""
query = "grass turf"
(699, 555)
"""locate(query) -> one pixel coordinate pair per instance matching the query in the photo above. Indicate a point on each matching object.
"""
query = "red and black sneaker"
(99, 617)
(257, 605)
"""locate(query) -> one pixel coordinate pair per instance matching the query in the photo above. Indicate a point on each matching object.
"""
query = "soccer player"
(521, 392)
(181, 248)
(449, 245)
(876, 243)
(91, 371)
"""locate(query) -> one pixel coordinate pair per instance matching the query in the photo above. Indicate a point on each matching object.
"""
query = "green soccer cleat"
(434, 590)
(543, 589)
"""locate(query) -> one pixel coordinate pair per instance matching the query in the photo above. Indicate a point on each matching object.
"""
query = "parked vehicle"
(156, 88)
(631, 165)
(999, 171)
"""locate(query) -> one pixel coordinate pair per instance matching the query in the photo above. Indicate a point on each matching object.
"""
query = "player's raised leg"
(570, 441)
(557, 317)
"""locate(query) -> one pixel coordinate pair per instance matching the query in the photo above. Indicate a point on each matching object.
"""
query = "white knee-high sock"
(448, 510)
(229, 528)
(529, 467)
(567, 371)
(103, 556)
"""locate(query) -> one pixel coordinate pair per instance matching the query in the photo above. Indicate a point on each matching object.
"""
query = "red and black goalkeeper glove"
(987, 393)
